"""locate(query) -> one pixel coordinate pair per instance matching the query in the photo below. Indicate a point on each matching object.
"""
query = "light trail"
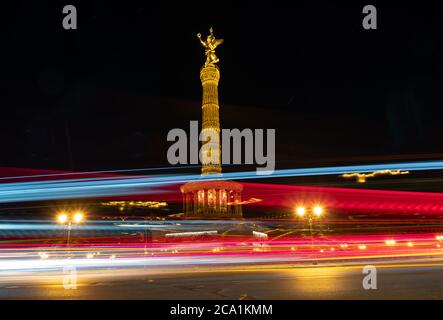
(109, 186)
(36, 246)
(90, 236)
(345, 200)
(239, 251)
(99, 172)
(98, 246)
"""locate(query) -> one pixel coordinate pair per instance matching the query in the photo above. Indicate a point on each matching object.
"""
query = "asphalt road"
(405, 281)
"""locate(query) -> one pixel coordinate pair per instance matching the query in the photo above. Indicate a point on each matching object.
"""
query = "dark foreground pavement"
(406, 281)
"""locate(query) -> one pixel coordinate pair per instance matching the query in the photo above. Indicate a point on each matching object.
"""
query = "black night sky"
(104, 96)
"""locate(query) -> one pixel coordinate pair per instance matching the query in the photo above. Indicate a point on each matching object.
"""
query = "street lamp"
(318, 211)
(65, 219)
(300, 211)
(310, 214)
(62, 218)
(78, 217)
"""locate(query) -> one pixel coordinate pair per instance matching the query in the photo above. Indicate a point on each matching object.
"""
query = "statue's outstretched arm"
(204, 44)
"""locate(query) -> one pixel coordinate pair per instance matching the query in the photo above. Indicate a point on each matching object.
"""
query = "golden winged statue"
(210, 44)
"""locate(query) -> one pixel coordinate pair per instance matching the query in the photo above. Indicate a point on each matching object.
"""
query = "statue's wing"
(218, 42)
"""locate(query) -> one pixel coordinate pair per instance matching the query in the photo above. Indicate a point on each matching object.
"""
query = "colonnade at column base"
(212, 199)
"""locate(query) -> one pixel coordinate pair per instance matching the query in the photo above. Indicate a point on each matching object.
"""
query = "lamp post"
(67, 220)
(310, 214)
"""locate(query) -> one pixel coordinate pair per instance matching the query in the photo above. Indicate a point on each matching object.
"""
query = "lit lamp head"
(300, 211)
(62, 218)
(318, 211)
(78, 217)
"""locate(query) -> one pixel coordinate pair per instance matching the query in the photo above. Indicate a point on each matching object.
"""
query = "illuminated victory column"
(217, 198)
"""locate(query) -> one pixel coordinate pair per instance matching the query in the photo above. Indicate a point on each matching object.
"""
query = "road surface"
(395, 281)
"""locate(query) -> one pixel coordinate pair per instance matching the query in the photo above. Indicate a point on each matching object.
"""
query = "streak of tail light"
(390, 242)
(348, 199)
(235, 249)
